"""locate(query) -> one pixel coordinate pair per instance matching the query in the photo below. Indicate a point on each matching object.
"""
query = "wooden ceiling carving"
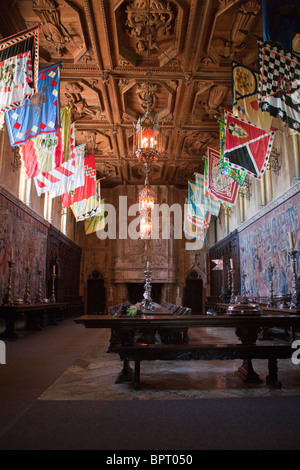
(106, 48)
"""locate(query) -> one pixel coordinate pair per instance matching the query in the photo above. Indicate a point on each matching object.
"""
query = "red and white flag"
(64, 178)
(45, 152)
(88, 189)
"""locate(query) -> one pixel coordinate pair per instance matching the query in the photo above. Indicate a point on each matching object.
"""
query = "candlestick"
(53, 271)
(147, 302)
(271, 302)
(11, 254)
(231, 263)
(294, 303)
(52, 298)
(39, 297)
(291, 240)
(8, 299)
(244, 299)
(27, 298)
(233, 296)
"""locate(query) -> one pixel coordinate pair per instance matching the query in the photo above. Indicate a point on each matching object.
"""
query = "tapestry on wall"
(247, 147)
(265, 242)
(41, 114)
(19, 62)
(28, 237)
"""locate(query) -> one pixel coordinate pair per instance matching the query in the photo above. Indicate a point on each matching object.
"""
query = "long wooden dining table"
(247, 329)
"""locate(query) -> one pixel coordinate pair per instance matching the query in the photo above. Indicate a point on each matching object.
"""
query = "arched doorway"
(96, 295)
(192, 293)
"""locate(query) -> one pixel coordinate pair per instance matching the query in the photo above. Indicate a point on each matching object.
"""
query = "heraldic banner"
(220, 186)
(19, 66)
(247, 147)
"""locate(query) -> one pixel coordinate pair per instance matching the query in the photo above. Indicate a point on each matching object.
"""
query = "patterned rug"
(92, 376)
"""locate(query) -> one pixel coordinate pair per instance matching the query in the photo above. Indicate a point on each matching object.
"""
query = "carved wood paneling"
(108, 48)
(226, 249)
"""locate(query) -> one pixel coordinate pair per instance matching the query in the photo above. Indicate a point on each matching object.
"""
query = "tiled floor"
(93, 375)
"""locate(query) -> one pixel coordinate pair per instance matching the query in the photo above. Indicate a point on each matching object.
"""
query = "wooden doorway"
(192, 293)
(96, 294)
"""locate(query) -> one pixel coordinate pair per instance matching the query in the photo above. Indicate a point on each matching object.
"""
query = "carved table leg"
(245, 371)
(126, 374)
(127, 339)
(137, 371)
(272, 378)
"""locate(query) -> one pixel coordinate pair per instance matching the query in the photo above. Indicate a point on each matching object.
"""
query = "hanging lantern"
(147, 139)
(145, 227)
(146, 199)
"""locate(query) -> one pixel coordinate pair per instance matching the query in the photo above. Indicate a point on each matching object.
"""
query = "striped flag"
(64, 178)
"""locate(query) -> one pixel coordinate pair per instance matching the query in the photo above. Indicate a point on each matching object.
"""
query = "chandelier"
(146, 196)
(146, 205)
(147, 138)
(147, 141)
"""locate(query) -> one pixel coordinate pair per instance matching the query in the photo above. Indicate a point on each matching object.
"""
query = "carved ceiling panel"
(115, 52)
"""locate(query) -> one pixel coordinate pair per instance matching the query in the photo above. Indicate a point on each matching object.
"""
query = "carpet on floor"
(92, 377)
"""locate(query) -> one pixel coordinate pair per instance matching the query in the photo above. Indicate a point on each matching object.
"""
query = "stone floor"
(92, 376)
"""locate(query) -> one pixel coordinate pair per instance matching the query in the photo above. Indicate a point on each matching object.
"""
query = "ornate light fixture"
(145, 228)
(146, 205)
(146, 196)
(147, 138)
(147, 142)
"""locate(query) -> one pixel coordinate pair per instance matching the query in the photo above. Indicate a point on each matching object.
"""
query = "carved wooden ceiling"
(103, 47)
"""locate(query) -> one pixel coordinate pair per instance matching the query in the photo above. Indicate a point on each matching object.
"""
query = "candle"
(231, 263)
(148, 264)
(11, 254)
(54, 269)
(291, 240)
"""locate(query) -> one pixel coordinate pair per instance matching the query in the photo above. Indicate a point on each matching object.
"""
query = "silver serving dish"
(244, 309)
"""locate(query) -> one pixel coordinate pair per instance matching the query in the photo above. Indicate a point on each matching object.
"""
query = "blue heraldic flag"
(40, 114)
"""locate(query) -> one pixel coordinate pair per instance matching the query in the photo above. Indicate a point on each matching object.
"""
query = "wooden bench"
(184, 352)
